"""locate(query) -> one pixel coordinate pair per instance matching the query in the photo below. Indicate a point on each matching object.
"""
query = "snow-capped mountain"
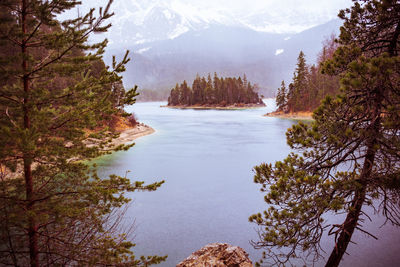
(172, 40)
(143, 21)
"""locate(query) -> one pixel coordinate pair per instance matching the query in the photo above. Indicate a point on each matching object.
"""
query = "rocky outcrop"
(218, 255)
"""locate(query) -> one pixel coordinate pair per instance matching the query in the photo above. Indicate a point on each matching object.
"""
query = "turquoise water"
(206, 158)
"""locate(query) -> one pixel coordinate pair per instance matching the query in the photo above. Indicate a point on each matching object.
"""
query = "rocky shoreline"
(303, 115)
(126, 135)
(130, 134)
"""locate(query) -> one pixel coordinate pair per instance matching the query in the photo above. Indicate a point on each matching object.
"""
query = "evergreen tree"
(281, 97)
(197, 90)
(300, 84)
(55, 210)
(209, 90)
(185, 94)
(350, 153)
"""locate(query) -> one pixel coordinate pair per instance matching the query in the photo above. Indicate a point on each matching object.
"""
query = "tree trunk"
(353, 215)
(349, 226)
(32, 227)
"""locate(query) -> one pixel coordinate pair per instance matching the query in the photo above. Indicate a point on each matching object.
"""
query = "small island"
(217, 93)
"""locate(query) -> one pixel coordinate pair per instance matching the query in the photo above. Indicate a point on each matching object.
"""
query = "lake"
(206, 158)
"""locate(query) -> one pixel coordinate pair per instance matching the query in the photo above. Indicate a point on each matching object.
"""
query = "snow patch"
(279, 51)
(168, 14)
(141, 51)
(287, 38)
(142, 41)
(180, 29)
(278, 28)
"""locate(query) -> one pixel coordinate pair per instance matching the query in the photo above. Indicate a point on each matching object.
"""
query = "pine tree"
(300, 84)
(209, 90)
(55, 210)
(185, 94)
(281, 97)
(350, 153)
(197, 90)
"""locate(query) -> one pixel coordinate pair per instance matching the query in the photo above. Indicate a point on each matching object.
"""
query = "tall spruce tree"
(298, 100)
(350, 153)
(281, 97)
(54, 209)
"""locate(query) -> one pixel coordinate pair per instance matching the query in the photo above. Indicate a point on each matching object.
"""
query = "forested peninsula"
(215, 93)
(309, 86)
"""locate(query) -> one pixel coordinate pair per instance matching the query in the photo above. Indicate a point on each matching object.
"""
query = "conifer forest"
(216, 91)
(199, 133)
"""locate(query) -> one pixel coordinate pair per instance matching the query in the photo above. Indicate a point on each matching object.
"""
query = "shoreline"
(231, 107)
(131, 134)
(302, 115)
(126, 135)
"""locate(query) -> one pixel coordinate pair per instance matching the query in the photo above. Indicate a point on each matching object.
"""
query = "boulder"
(218, 255)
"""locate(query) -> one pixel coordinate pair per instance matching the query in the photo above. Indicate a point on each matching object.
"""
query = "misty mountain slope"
(266, 58)
(310, 41)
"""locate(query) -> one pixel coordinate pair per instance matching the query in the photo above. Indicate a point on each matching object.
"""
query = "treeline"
(309, 85)
(216, 91)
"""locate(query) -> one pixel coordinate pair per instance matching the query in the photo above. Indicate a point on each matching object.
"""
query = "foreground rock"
(218, 255)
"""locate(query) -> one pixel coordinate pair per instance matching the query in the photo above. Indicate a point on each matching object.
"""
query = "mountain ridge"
(266, 58)
(153, 20)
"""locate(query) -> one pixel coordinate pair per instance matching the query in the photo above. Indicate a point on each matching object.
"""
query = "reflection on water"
(206, 158)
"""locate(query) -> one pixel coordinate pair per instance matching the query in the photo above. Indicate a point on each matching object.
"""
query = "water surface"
(206, 158)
